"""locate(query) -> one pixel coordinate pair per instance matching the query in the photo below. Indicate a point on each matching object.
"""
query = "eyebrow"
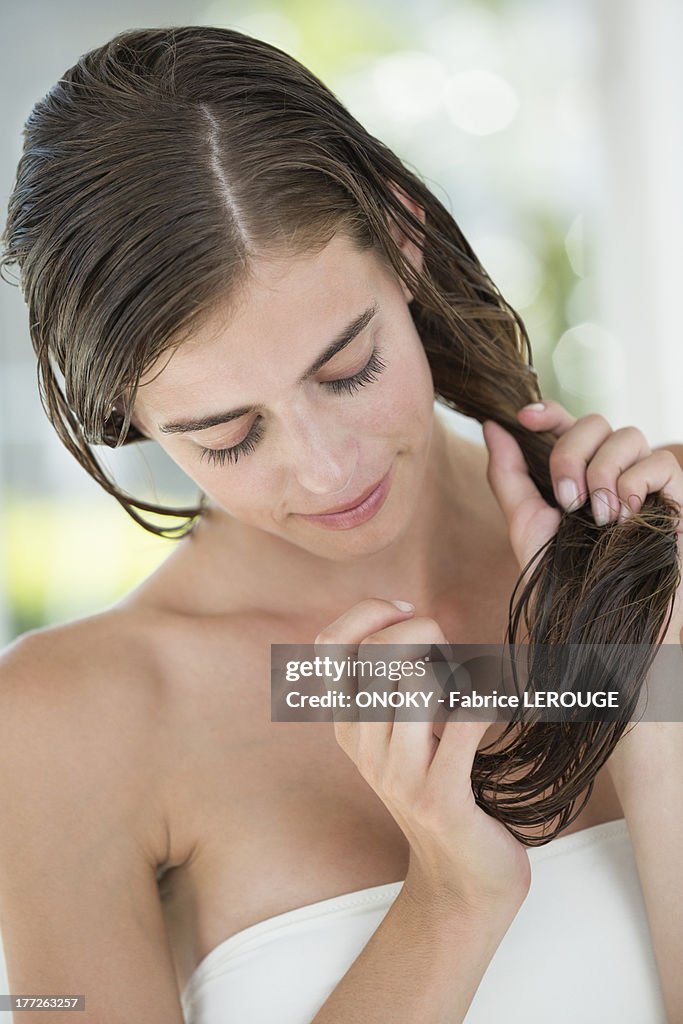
(345, 338)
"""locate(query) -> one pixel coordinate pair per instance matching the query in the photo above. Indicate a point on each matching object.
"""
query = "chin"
(361, 542)
(356, 548)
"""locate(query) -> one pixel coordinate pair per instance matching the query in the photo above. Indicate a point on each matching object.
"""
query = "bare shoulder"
(85, 818)
(78, 650)
(81, 703)
(84, 667)
(140, 702)
(127, 662)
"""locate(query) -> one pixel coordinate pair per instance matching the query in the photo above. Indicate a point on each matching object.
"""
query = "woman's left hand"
(646, 765)
(590, 458)
(617, 468)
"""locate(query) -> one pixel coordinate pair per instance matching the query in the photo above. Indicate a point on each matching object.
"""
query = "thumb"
(508, 472)
(530, 520)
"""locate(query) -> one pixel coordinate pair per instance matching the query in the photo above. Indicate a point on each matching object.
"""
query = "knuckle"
(596, 478)
(667, 459)
(596, 419)
(627, 484)
(373, 638)
(561, 460)
(375, 604)
(630, 433)
(430, 630)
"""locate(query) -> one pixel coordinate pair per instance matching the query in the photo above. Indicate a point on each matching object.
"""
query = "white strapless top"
(578, 952)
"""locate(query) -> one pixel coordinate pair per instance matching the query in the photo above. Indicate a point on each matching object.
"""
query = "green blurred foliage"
(64, 558)
(335, 36)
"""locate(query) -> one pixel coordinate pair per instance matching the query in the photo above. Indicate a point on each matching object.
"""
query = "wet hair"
(153, 173)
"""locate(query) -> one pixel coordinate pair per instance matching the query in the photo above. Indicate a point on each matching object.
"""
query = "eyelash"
(345, 385)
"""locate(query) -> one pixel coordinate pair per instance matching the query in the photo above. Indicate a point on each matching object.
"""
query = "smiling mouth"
(363, 509)
(354, 503)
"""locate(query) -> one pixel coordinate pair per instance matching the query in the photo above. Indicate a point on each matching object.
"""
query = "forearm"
(650, 785)
(424, 962)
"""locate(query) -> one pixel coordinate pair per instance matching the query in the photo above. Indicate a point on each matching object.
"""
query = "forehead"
(289, 309)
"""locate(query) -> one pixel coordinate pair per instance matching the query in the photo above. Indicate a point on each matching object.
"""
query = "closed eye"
(370, 371)
(343, 385)
(230, 455)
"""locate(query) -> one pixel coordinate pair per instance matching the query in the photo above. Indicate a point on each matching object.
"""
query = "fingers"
(595, 456)
(614, 467)
(578, 441)
(531, 521)
(546, 415)
(345, 634)
(454, 755)
(625, 448)
(421, 634)
(362, 619)
(659, 471)
(508, 473)
(570, 458)
(360, 630)
(410, 740)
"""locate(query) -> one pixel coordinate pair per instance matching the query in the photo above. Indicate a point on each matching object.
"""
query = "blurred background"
(551, 129)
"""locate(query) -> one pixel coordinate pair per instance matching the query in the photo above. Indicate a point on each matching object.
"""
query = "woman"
(216, 256)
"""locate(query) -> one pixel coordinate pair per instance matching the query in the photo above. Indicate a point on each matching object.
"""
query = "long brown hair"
(152, 173)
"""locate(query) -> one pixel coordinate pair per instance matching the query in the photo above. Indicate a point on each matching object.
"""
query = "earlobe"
(407, 201)
(134, 428)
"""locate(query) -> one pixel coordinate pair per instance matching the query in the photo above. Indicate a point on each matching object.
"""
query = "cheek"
(405, 396)
(414, 376)
(241, 489)
(248, 490)
(244, 496)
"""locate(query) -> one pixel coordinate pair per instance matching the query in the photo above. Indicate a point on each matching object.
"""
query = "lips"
(367, 506)
(353, 503)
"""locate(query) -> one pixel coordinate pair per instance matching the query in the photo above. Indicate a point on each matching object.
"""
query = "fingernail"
(567, 492)
(627, 509)
(535, 406)
(404, 606)
(601, 508)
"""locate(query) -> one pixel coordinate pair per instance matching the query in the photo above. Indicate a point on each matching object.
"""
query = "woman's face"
(314, 389)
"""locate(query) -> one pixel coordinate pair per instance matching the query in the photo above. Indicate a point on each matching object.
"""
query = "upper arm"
(79, 906)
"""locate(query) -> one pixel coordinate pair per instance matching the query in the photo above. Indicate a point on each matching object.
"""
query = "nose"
(323, 456)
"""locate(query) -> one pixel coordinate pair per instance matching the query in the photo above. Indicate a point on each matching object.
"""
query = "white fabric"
(578, 952)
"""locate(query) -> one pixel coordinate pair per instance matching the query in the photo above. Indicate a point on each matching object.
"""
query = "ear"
(116, 416)
(410, 250)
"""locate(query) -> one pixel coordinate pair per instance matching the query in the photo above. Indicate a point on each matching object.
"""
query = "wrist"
(443, 903)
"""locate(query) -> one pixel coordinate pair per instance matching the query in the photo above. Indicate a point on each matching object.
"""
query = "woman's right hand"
(458, 853)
